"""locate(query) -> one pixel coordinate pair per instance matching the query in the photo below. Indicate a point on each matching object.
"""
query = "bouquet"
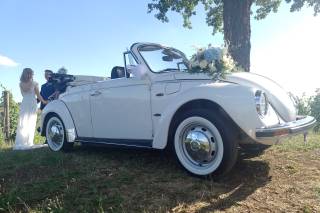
(214, 61)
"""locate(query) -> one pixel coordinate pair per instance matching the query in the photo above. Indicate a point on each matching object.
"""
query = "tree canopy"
(232, 17)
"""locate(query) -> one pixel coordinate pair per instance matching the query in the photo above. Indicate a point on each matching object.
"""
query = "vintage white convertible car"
(153, 102)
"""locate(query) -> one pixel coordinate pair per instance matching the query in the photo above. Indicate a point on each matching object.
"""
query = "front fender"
(236, 100)
(277, 96)
(58, 107)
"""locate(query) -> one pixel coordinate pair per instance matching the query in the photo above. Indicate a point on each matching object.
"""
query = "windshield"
(162, 59)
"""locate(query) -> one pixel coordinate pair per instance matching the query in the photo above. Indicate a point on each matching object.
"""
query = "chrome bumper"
(302, 124)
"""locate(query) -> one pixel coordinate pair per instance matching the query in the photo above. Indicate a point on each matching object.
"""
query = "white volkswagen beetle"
(152, 101)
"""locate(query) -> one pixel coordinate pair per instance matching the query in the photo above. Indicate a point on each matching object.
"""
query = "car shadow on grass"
(246, 177)
(154, 181)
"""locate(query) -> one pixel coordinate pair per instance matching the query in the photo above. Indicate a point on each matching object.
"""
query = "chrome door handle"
(96, 93)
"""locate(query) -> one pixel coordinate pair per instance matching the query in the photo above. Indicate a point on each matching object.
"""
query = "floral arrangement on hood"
(214, 61)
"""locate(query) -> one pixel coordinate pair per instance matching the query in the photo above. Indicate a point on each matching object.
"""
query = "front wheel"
(56, 135)
(204, 143)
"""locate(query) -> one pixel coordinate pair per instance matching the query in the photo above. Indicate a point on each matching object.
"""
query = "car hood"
(277, 96)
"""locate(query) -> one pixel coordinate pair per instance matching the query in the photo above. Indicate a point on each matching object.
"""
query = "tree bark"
(237, 31)
(6, 126)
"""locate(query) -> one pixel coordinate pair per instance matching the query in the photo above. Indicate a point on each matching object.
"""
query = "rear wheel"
(204, 143)
(56, 135)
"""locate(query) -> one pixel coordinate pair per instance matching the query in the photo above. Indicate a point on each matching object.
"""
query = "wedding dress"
(27, 117)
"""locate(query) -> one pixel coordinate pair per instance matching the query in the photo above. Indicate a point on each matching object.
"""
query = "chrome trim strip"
(294, 127)
(142, 143)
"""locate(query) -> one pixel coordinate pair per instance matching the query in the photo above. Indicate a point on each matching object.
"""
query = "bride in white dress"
(28, 111)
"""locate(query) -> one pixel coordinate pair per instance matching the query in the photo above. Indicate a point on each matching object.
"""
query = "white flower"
(203, 64)
(212, 67)
(228, 62)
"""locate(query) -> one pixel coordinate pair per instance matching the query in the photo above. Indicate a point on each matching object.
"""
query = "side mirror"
(167, 58)
(138, 71)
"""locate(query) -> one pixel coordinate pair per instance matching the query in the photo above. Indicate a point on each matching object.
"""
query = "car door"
(121, 112)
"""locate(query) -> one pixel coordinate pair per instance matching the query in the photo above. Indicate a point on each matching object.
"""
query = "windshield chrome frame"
(125, 60)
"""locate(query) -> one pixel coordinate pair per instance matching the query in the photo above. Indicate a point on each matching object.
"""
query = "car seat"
(118, 72)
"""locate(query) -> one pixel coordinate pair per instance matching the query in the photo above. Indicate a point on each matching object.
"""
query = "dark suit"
(46, 91)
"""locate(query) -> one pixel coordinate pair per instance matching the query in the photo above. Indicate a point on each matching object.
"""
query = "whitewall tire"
(56, 135)
(203, 144)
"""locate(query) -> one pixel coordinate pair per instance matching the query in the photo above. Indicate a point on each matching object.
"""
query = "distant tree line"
(310, 106)
(14, 115)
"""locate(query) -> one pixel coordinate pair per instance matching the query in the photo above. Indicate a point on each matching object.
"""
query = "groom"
(47, 89)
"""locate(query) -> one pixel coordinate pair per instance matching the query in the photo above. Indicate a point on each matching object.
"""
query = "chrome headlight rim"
(262, 103)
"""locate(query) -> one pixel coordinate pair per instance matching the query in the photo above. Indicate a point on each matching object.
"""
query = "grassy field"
(286, 178)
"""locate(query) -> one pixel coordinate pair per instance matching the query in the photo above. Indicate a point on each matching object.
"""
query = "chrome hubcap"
(198, 144)
(55, 134)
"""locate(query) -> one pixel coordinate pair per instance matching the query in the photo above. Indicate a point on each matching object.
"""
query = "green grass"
(38, 139)
(82, 180)
(120, 180)
(296, 143)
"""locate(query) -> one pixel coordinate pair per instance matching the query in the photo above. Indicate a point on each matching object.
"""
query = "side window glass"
(129, 61)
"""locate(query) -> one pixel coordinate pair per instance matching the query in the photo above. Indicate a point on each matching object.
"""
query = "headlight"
(261, 103)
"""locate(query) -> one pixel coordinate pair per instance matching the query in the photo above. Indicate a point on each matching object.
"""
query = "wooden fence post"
(6, 116)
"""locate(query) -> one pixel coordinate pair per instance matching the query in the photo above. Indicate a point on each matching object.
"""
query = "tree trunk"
(6, 126)
(237, 32)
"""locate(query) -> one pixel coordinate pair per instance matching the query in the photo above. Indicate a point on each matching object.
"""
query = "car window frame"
(146, 63)
(125, 61)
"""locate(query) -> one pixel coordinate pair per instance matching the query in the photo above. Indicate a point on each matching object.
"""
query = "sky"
(89, 37)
